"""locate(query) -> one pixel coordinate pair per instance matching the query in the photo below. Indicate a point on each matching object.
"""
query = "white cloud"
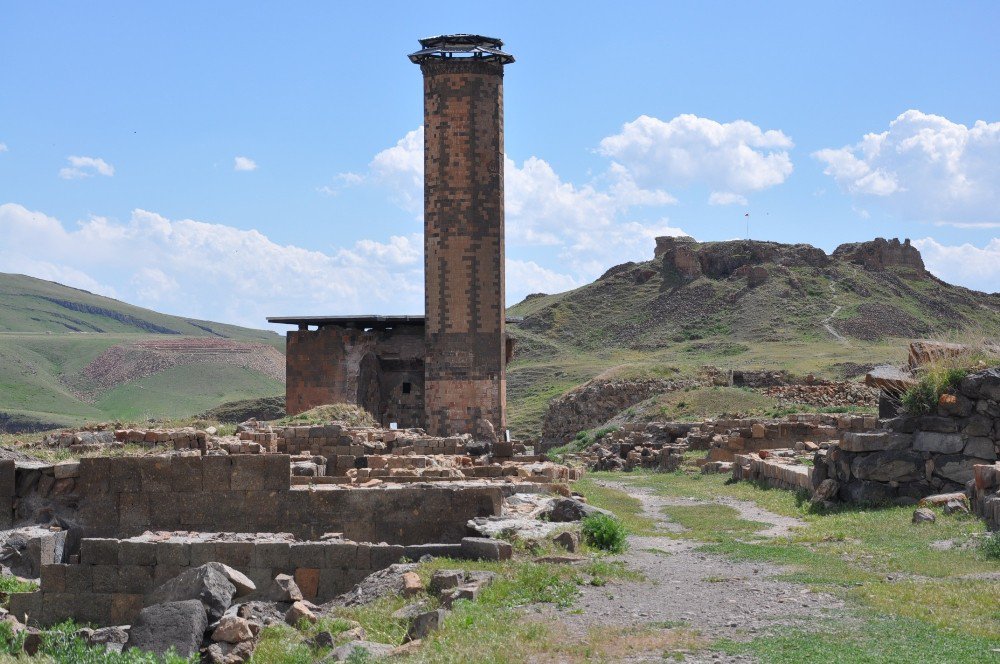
(85, 167)
(212, 271)
(964, 264)
(525, 277)
(3, 147)
(925, 168)
(726, 198)
(730, 158)
(244, 164)
(585, 225)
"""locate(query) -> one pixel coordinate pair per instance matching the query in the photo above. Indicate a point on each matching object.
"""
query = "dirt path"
(827, 322)
(710, 593)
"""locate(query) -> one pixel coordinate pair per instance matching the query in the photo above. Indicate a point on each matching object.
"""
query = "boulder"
(229, 653)
(923, 515)
(244, 586)
(411, 584)
(299, 612)
(826, 491)
(112, 638)
(570, 509)
(445, 579)
(956, 507)
(425, 623)
(232, 629)
(875, 441)
(361, 651)
(284, 589)
(568, 540)
(957, 468)
(206, 583)
(178, 625)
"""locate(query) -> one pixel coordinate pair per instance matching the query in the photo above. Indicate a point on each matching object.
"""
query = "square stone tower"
(464, 372)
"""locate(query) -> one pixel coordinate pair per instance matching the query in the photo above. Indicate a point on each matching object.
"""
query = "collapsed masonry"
(120, 526)
(908, 458)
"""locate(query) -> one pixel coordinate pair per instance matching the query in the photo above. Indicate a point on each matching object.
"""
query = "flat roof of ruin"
(357, 321)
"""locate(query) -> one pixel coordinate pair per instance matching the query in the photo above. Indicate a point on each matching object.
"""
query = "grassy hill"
(59, 346)
(736, 305)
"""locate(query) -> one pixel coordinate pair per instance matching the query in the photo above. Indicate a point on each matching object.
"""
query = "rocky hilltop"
(736, 305)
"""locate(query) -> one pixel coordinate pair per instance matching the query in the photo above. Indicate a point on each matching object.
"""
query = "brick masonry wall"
(108, 585)
(464, 245)
(252, 493)
(380, 370)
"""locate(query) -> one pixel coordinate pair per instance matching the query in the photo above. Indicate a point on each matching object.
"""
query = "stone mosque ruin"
(445, 371)
(203, 539)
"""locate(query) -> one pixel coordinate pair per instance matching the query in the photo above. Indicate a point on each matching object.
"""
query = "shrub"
(991, 545)
(606, 533)
(922, 398)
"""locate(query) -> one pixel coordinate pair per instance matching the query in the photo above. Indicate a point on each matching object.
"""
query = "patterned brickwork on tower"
(463, 232)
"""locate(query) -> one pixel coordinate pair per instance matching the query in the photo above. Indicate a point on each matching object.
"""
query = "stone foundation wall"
(125, 496)
(727, 438)
(773, 472)
(108, 585)
(912, 457)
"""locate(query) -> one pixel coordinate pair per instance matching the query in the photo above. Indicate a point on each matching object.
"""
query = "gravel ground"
(710, 593)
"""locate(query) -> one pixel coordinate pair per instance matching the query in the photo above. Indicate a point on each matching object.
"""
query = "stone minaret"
(463, 232)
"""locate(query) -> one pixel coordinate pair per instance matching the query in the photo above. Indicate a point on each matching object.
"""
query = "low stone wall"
(108, 585)
(776, 472)
(125, 496)
(594, 403)
(727, 438)
(912, 457)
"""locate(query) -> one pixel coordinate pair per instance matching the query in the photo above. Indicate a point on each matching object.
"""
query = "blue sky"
(234, 160)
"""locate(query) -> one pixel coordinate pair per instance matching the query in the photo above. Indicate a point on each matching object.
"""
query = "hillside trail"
(683, 587)
(827, 322)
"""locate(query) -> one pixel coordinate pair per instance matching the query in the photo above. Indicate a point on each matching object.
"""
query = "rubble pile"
(824, 394)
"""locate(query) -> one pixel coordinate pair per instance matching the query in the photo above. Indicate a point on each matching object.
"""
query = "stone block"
(307, 579)
(125, 608)
(484, 548)
(249, 473)
(875, 441)
(173, 553)
(99, 551)
(981, 448)
(940, 443)
(332, 582)
(105, 578)
(276, 469)
(135, 579)
(137, 553)
(341, 555)
(133, 512)
(8, 482)
(216, 472)
(155, 474)
(53, 578)
(363, 557)
(25, 605)
(78, 578)
(889, 466)
(203, 552)
(271, 554)
(66, 469)
(307, 554)
(383, 555)
(186, 474)
(237, 554)
(957, 468)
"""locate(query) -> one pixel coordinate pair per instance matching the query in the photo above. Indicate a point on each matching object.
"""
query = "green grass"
(878, 639)
(185, 390)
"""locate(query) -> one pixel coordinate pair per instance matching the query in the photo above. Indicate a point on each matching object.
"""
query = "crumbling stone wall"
(108, 584)
(593, 404)
(912, 457)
